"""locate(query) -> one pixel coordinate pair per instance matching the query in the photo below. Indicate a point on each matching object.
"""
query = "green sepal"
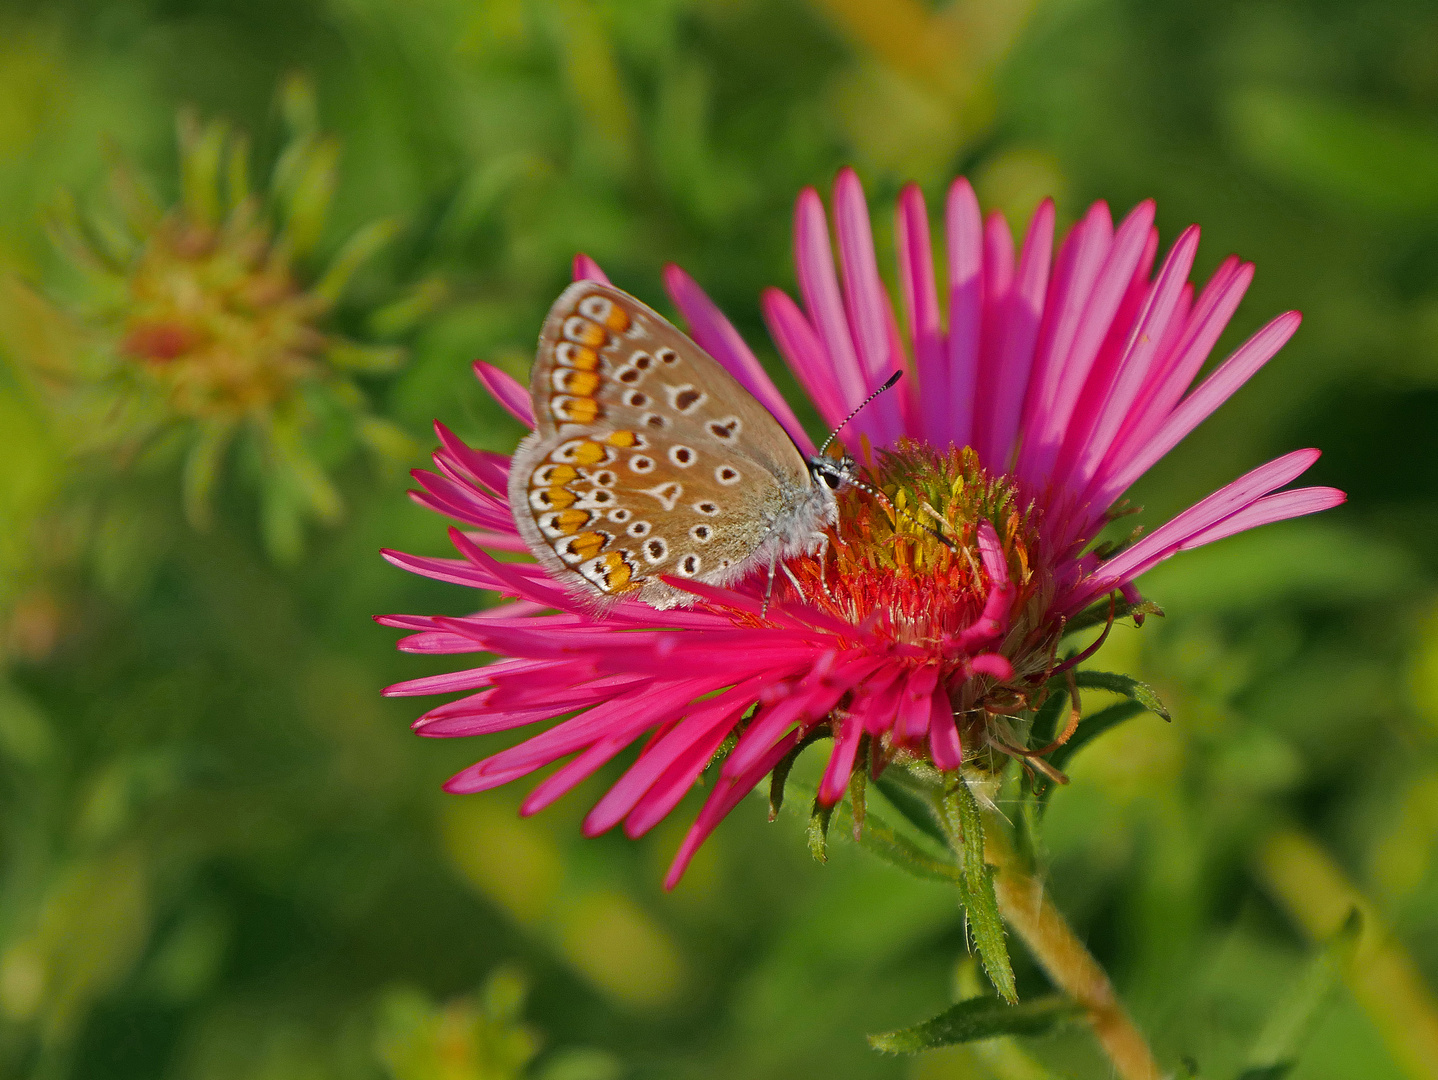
(858, 802)
(779, 775)
(880, 839)
(819, 817)
(975, 1019)
(1127, 685)
(1276, 1050)
(910, 805)
(964, 822)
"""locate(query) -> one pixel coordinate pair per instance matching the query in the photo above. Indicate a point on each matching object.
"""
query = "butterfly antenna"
(894, 378)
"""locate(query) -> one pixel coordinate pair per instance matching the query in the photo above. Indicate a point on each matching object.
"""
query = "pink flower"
(1059, 380)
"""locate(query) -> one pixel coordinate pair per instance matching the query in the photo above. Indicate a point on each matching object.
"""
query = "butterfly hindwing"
(648, 458)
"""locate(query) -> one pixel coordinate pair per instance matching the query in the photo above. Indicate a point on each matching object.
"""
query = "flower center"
(885, 569)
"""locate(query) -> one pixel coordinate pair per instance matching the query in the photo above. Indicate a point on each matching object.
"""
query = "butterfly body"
(648, 459)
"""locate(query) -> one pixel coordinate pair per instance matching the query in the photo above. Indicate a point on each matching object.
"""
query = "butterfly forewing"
(648, 458)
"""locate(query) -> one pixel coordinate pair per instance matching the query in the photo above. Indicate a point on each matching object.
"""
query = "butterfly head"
(833, 474)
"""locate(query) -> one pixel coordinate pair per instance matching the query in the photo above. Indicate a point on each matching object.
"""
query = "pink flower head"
(1053, 384)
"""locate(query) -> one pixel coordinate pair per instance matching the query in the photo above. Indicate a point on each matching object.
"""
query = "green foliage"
(1118, 683)
(977, 1018)
(222, 853)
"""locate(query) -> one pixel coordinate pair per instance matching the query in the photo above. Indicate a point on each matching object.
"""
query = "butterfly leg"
(793, 581)
(769, 588)
(821, 553)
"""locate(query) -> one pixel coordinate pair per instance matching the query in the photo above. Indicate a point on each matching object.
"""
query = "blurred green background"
(226, 857)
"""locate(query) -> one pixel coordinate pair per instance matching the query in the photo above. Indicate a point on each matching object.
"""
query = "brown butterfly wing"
(648, 458)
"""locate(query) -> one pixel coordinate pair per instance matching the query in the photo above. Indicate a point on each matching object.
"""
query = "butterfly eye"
(831, 480)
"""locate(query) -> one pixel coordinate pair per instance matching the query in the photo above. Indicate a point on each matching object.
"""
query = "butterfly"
(649, 460)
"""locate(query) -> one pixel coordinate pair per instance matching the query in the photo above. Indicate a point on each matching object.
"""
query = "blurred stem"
(1309, 885)
(1027, 909)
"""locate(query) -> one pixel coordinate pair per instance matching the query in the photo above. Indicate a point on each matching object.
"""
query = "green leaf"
(202, 469)
(1126, 685)
(1090, 728)
(977, 1018)
(964, 822)
(366, 359)
(356, 251)
(1097, 614)
(1289, 1026)
(202, 148)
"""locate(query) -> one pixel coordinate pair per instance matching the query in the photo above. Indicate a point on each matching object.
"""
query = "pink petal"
(717, 336)
(1138, 356)
(915, 706)
(944, 745)
(814, 259)
(1105, 367)
(1196, 519)
(964, 227)
(870, 313)
(1241, 366)
(1114, 280)
(998, 280)
(571, 775)
(703, 720)
(586, 269)
(1024, 309)
(801, 348)
(1270, 508)
(498, 541)
(1084, 252)
(921, 309)
(1215, 306)
(841, 760)
(486, 468)
(726, 795)
(506, 390)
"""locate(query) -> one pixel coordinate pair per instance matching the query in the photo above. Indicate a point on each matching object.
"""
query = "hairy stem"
(1027, 909)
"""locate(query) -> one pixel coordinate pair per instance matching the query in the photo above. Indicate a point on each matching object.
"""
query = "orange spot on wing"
(583, 332)
(575, 356)
(623, 438)
(583, 383)
(571, 521)
(589, 453)
(574, 410)
(587, 545)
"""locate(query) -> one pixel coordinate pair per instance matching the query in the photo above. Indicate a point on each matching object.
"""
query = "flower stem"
(1027, 909)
